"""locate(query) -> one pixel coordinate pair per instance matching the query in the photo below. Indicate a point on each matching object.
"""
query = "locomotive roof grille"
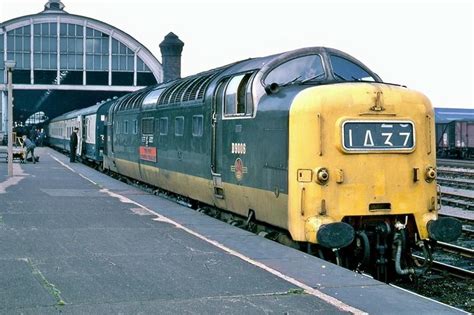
(204, 86)
(187, 92)
(131, 100)
(194, 89)
(177, 93)
(136, 101)
(164, 97)
(141, 97)
(121, 104)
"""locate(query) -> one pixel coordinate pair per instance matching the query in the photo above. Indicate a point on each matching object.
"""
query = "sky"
(426, 45)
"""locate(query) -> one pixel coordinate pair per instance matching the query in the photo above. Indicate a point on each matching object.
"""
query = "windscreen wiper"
(313, 78)
(290, 82)
(339, 76)
(275, 87)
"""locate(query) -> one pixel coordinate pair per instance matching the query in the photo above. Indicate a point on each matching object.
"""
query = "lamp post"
(10, 64)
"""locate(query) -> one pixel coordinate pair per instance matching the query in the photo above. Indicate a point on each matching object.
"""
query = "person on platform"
(30, 148)
(33, 134)
(73, 145)
(41, 138)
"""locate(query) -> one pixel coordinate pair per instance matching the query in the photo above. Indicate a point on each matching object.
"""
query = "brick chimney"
(171, 48)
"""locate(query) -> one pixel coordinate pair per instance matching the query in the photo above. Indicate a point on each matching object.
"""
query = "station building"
(66, 61)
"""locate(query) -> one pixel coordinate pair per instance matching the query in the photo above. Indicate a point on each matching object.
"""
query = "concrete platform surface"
(73, 240)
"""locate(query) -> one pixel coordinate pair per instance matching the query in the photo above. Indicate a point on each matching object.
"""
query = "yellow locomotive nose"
(365, 162)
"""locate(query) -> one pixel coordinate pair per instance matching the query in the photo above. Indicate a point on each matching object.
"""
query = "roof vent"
(53, 6)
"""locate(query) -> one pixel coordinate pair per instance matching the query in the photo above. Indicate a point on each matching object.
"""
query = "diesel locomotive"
(310, 141)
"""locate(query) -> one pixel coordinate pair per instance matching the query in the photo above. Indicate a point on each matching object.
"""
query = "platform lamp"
(10, 65)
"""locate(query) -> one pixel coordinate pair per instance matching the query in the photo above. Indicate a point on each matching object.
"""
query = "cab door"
(216, 141)
(230, 105)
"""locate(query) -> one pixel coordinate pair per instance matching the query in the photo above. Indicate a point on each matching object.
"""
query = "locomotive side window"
(298, 69)
(197, 125)
(125, 127)
(235, 103)
(346, 70)
(179, 126)
(147, 126)
(135, 126)
(163, 126)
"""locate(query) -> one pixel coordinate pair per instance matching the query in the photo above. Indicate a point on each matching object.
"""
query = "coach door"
(229, 107)
(80, 134)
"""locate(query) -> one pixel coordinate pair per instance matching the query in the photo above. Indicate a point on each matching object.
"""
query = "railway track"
(456, 183)
(453, 259)
(455, 249)
(456, 163)
(455, 173)
(447, 268)
(461, 198)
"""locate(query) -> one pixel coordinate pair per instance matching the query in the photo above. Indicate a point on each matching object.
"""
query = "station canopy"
(66, 61)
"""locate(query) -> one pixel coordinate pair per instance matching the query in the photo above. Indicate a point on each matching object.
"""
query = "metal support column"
(9, 64)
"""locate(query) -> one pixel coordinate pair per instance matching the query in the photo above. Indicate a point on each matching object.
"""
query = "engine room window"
(298, 69)
(346, 70)
(235, 103)
(197, 125)
(179, 126)
(163, 126)
(147, 126)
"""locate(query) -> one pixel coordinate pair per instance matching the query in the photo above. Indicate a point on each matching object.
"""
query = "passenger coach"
(91, 136)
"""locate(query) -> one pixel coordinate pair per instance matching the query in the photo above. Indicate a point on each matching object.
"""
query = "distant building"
(66, 61)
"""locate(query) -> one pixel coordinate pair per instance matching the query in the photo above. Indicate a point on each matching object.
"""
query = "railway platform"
(74, 240)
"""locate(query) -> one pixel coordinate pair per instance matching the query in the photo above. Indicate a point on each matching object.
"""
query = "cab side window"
(235, 98)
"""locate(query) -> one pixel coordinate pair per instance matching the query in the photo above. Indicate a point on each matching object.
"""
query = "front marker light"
(430, 174)
(322, 175)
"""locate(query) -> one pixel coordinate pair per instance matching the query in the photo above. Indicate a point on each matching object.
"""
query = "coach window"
(179, 126)
(163, 126)
(197, 125)
(235, 100)
(147, 126)
(296, 70)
